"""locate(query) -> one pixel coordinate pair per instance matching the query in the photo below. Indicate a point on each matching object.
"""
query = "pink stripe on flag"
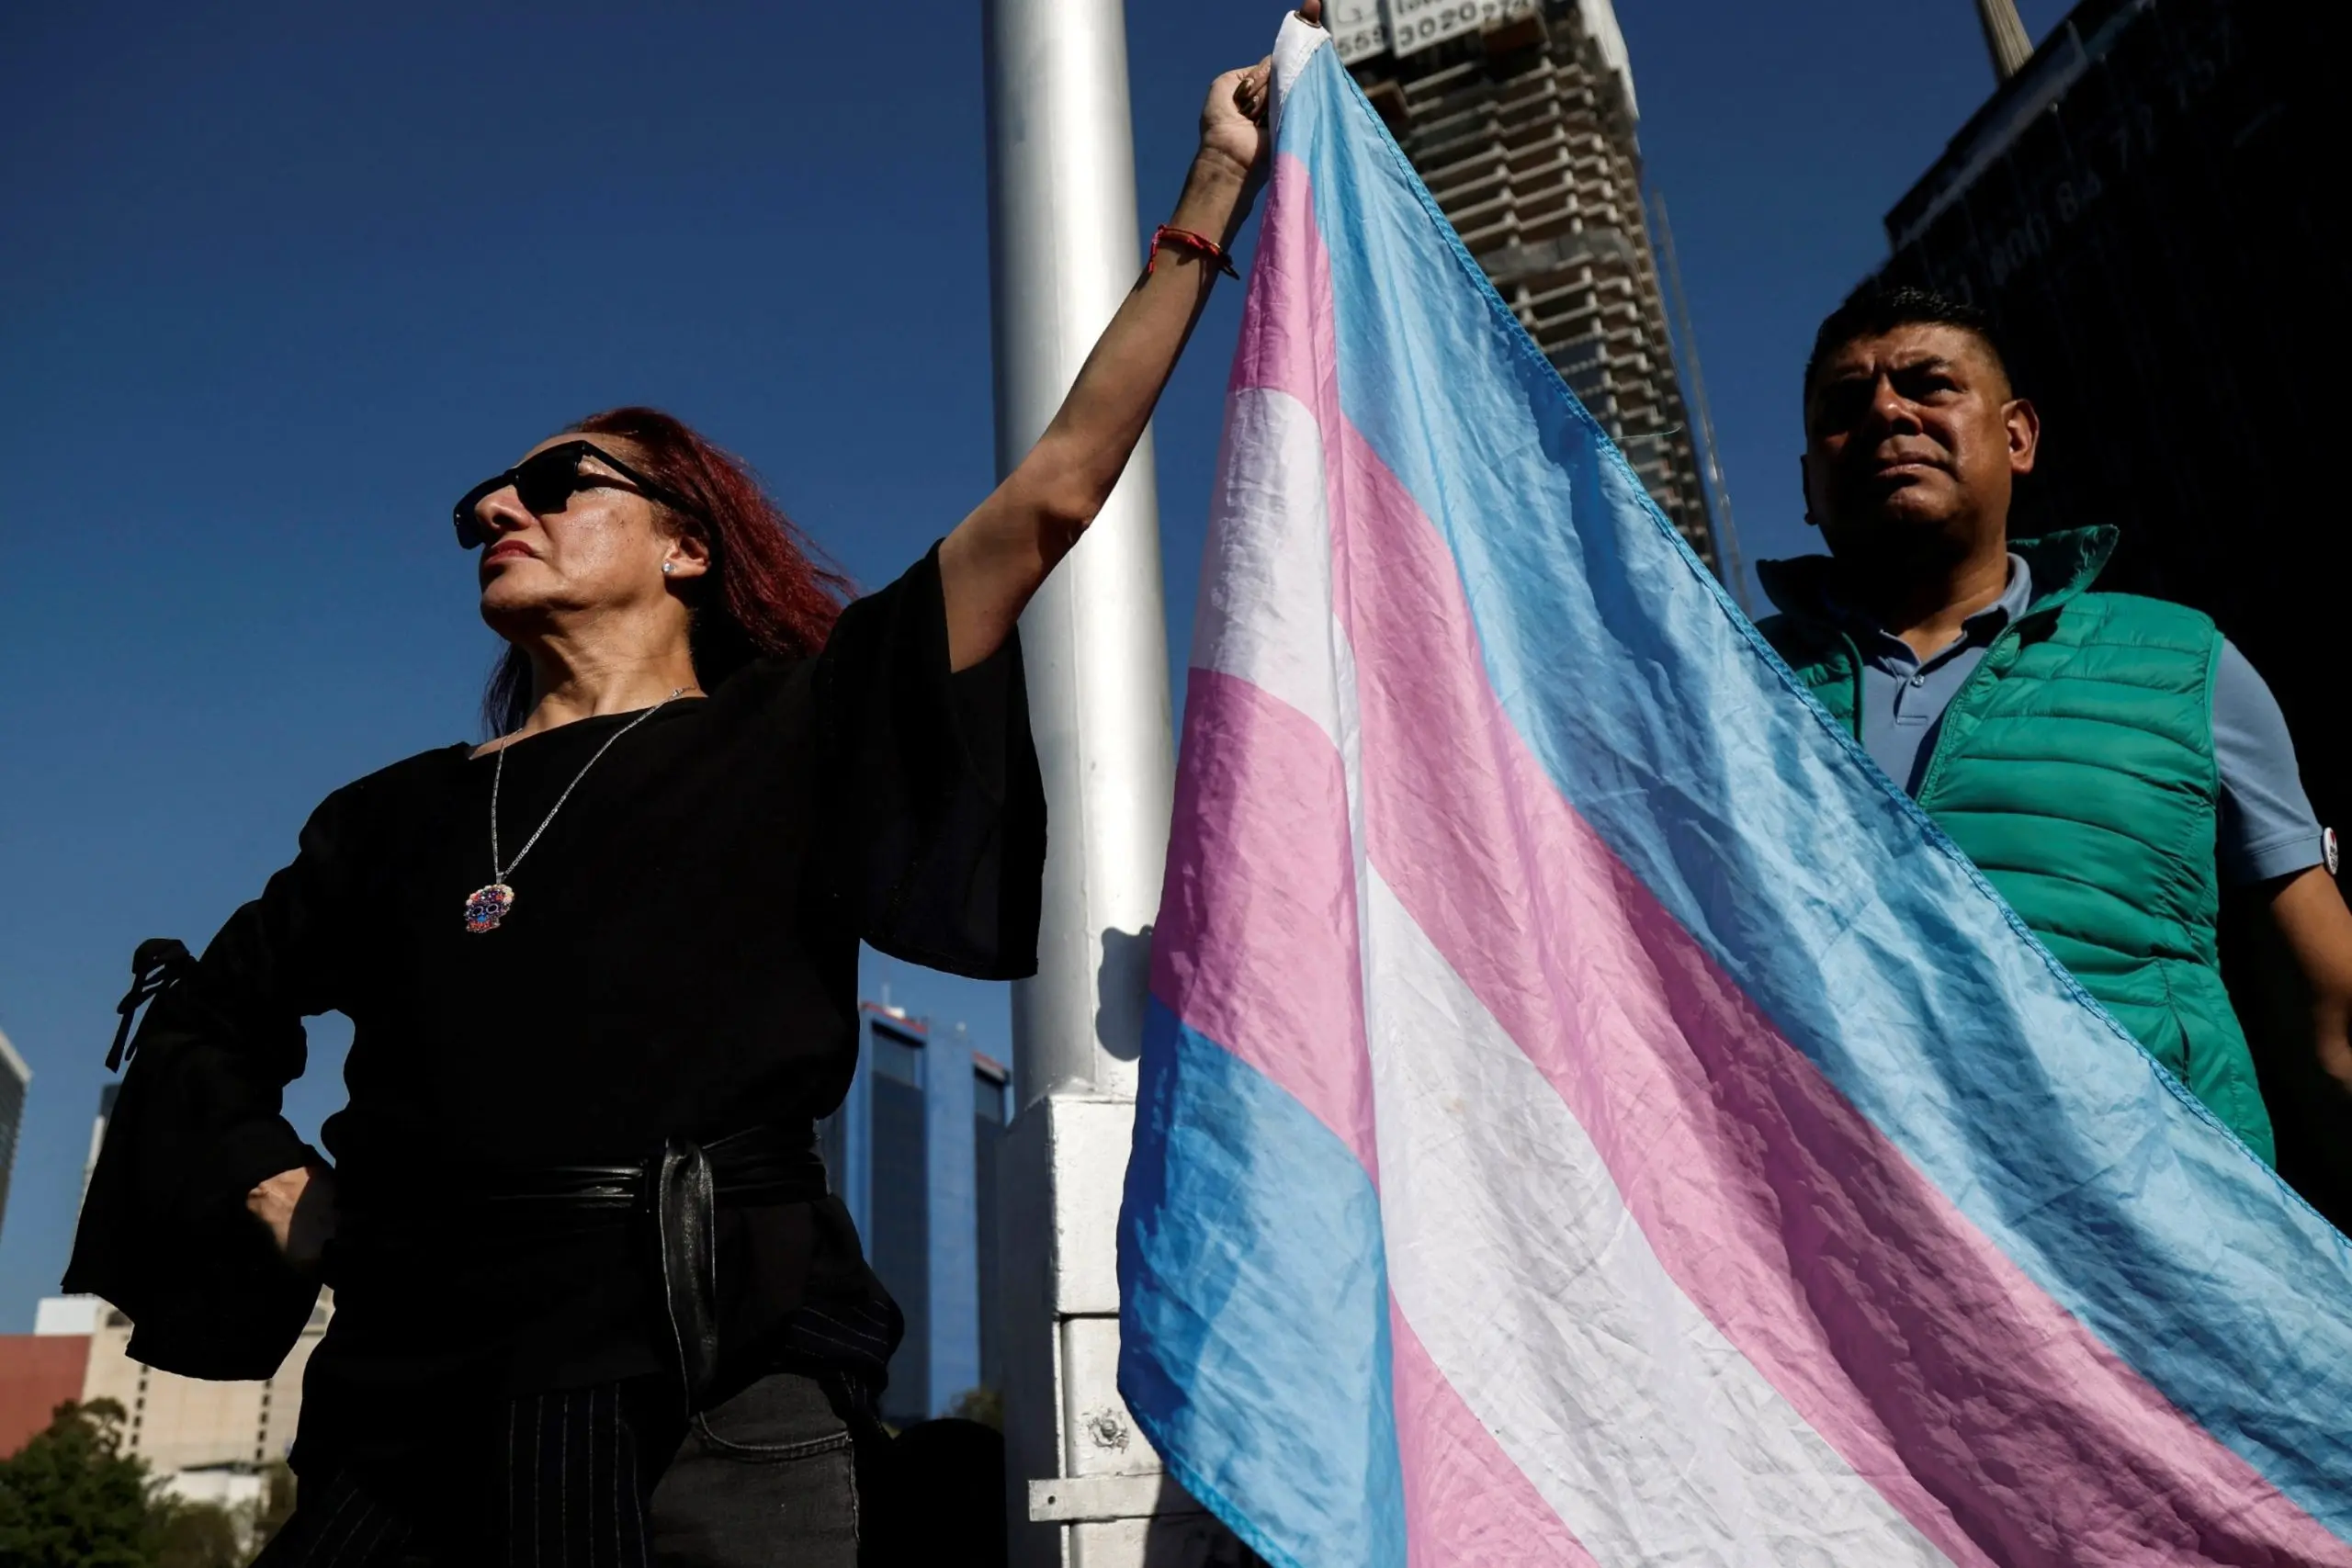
(1982, 1410)
(1256, 946)
(1466, 1505)
(1290, 334)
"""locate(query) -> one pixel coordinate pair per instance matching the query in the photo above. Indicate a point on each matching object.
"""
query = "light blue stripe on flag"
(1233, 1161)
(1673, 730)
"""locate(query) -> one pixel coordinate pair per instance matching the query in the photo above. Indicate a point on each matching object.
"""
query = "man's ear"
(1804, 487)
(2024, 425)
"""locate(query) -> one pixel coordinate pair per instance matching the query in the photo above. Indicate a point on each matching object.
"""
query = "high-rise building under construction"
(1520, 115)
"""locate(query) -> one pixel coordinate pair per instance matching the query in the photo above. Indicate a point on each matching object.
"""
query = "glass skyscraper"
(913, 1154)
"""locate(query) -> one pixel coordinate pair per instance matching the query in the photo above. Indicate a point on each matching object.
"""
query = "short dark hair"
(1875, 308)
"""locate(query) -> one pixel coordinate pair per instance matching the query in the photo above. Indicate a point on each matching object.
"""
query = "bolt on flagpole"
(1063, 253)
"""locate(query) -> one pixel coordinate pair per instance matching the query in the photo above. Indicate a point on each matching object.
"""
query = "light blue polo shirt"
(2266, 828)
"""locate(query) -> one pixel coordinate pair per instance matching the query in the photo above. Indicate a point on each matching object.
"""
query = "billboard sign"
(1417, 23)
(1357, 27)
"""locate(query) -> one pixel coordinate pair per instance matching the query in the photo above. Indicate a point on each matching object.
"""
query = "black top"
(680, 958)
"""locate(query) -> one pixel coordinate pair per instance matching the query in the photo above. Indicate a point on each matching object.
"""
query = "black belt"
(680, 1187)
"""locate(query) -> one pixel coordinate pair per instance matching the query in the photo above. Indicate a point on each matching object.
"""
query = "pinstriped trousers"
(765, 1478)
(572, 1500)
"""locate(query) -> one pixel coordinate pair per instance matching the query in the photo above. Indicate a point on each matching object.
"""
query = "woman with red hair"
(602, 974)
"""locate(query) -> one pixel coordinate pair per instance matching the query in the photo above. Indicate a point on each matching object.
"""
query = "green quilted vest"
(2075, 767)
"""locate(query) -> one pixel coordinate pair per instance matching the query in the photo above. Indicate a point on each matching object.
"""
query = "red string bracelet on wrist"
(1186, 240)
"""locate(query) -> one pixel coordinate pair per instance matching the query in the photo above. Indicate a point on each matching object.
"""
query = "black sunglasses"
(546, 481)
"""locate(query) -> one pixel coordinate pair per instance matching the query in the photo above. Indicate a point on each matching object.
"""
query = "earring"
(668, 566)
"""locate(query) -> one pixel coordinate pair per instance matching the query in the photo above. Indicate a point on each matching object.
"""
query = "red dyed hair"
(769, 590)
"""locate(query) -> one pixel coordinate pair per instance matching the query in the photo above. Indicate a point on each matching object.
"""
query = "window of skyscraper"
(897, 1057)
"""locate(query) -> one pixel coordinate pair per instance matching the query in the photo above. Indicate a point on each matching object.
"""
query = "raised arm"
(999, 554)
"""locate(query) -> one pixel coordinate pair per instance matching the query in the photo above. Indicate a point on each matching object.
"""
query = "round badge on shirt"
(2327, 842)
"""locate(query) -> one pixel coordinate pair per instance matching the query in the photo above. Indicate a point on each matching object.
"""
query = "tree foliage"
(72, 1498)
(276, 1503)
(983, 1404)
(194, 1535)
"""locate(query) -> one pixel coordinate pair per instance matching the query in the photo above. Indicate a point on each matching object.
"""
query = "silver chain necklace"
(485, 907)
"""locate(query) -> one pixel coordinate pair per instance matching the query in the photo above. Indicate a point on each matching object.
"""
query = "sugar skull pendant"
(487, 906)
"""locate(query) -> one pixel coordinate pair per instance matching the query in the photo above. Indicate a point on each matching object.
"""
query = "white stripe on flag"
(1511, 1251)
(1512, 1255)
(1264, 608)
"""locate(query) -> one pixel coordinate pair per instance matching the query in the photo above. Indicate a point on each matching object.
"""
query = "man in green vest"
(2111, 762)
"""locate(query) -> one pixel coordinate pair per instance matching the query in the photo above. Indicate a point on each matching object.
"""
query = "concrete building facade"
(39, 1372)
(181, 1424)
(79, 1350)
(1521, 117)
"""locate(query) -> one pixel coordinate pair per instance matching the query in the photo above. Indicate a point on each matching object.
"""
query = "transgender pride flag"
(1588, 1115)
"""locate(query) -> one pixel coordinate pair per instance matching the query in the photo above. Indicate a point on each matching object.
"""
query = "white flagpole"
(1064, 252)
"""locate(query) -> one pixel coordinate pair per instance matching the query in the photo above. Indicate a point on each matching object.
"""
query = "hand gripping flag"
(1588, 1115)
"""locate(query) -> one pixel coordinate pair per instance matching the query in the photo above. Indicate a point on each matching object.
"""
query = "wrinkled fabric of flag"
(1588, 1115)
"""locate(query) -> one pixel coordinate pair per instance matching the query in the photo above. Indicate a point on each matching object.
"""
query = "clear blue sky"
(278, 282)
